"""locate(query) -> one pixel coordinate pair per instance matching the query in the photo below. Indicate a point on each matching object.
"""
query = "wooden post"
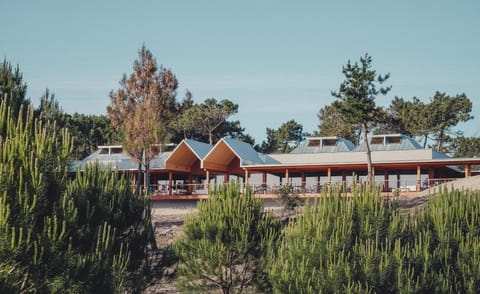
(319, 188)
(431, 177)
(468, 170)
(344, 180)
(398, 179)
(329, 176)
(170, 179)
(207, 180)
(226, 178)
(303, 182)
(287, 179)
(264, 182)
(190, 184)
(419, 178)
(246, 180)
(385, 180)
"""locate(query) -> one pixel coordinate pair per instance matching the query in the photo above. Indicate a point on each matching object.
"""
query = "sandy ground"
(420, 198)
(168, 217)
(167, 220)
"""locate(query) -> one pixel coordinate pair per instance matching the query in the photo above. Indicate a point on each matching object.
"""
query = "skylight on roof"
(116, 150)
(313, 143)
(394, 140)
(376, 141)
(329, 142)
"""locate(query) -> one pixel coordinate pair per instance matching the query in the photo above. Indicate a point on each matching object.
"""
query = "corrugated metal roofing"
(341, 145)
(246, 153)
(159, 161)
(199, 148)
(120, 161)
(389, 143)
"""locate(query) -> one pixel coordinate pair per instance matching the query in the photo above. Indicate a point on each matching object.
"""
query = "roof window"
(116, 150)
(313, 143)
(329, 142)
(394, 140)
(377, 141)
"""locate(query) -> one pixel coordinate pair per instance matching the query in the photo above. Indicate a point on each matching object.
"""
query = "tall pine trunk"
(440, 140)
(369, 154)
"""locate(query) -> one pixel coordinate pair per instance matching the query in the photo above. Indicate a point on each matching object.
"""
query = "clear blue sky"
(278, 60)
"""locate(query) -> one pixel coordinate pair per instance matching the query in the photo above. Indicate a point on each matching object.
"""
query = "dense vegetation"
(366, 244)
(361, 244)
(90, 233)
(59, 234)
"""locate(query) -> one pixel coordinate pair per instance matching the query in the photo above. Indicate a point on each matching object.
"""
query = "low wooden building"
(191, 168)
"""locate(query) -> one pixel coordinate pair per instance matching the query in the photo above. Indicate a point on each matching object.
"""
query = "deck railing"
(407, 185)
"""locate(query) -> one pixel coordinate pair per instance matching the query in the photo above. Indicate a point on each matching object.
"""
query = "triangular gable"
(230, 155)
(187, 156)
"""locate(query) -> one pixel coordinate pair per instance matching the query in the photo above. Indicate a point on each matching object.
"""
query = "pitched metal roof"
(106, 159)
(348, 158)
(247, 154)
(199, 148)
(158, 162)
(390, 143)
(115, 158)
(324, 145)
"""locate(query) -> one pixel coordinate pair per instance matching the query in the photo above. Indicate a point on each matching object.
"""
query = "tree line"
(431, 121)
(144, 115)
(90, 232)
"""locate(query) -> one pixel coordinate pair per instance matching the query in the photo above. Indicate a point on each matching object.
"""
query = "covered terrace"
(399, 164)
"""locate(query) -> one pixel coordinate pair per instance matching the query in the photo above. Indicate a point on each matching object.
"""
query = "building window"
(394, 140)
(116, 150)
(329, 142)
(313, 143)
(377, 141)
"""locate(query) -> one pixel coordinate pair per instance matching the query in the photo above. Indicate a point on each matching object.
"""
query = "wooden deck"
(157, 197)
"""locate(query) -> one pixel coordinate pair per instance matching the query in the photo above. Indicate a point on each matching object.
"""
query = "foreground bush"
(364, 244)
(60, 235)
(225, 244)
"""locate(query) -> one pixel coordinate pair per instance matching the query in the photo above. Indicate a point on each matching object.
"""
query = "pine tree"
(356, 99)
(83, 235)
(225, 245)
(142, 109)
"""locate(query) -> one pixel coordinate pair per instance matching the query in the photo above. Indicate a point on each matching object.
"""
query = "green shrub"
(339, 244)
(226, 243)
(367, 244)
